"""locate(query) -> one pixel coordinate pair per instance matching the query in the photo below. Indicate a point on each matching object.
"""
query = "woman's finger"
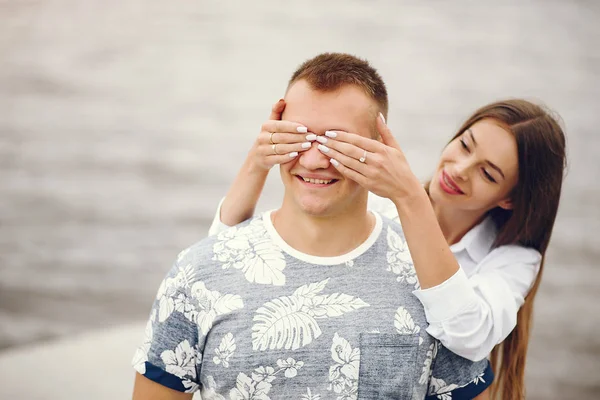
(365, 143)
(350, 162)
(278, 148)
(283, 127)
(280, 159)
(287, 138)
(386, 134)
(277, 110)
(349, 173)
(345, 148)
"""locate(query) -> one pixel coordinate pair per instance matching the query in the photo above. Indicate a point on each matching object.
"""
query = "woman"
(477, 234)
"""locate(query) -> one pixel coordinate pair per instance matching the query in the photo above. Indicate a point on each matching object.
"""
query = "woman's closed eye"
(484, 172)
(488, 176)
(464, 145)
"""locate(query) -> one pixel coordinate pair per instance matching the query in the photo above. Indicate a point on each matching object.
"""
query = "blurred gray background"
(122, 123)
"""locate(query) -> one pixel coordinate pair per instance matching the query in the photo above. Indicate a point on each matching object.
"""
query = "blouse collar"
(478, 241)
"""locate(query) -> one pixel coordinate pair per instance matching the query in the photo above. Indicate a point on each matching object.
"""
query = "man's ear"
(507, 204)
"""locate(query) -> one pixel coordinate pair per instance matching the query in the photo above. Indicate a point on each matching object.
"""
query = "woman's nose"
(461, 169)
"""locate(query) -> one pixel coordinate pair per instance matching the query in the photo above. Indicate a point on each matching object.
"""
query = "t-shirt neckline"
(341, 259)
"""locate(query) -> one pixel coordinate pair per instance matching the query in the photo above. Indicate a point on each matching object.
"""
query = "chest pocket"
(388, 366)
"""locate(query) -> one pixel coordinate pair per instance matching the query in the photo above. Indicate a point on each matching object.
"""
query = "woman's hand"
(384, 169)
(279, 141)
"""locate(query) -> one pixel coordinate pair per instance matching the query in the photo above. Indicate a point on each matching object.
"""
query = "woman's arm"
(473, 326)
(468, 316)
(285, 138)
(386, 173)
(243, 194)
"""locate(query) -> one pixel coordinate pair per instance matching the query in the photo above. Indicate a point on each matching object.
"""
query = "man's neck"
(323, 236)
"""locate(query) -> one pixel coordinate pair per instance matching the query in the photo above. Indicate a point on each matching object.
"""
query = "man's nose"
(313, 158)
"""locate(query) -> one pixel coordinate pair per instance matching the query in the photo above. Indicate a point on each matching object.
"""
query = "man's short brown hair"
(330, 71)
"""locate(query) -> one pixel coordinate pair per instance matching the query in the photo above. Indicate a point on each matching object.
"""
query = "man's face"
(312, 185)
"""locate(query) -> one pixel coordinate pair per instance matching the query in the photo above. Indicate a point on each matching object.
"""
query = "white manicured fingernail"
(330, 134)
(301, 129)
(382, 117)
(311, 138)
(306, 145)
(324, 149)
(293, 154)
(334, 162)
(321, 139)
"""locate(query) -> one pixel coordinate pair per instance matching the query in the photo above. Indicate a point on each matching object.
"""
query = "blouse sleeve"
(383, 206)
(217, 226)
(472, 315)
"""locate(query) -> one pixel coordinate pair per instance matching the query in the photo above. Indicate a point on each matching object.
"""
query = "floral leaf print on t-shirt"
(399, 259)
(170, 287)
(405, 325)
(281, 323)
(194, 301)
(182, 254)
(225, 350)
(311, 290)
(290, 322)
(343, 375)
(205, 305)
(427, 367)
(246, 389)
(183, 363)
(309, 396)
(259, 385)
(141, 354)
(443, 391)
(209, 390)
(250, 249)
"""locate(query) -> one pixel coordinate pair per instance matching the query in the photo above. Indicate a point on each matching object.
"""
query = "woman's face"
(477, 170)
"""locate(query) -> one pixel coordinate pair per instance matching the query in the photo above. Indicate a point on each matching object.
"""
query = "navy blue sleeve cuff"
(471, 390)
(163, 377)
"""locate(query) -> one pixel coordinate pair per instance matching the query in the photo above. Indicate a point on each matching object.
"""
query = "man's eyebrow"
(491, 164)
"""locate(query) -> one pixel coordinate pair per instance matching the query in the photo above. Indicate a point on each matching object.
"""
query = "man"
(300, 302)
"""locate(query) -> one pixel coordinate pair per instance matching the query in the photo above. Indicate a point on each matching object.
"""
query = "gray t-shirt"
(242, 315)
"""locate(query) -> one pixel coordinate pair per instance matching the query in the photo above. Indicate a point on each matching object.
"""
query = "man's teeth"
(317, 181)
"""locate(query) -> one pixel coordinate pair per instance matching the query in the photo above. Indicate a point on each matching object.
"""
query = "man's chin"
(316, 209)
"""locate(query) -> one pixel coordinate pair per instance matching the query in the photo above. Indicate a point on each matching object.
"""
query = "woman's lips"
(448, 185)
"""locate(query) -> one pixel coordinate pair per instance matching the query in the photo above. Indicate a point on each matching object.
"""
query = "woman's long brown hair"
(541, 155)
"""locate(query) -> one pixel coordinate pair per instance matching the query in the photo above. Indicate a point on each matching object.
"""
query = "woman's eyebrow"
(472, 137)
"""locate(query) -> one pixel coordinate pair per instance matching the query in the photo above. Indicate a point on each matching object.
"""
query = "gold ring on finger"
(271, 138)
(274, 147)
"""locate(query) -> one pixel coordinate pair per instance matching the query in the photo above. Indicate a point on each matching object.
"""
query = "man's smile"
(316, 180)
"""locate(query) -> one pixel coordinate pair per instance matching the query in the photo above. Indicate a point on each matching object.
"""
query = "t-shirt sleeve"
(170, 353)
(454, 377)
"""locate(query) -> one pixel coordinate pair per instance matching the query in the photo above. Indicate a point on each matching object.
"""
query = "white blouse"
(477, 307)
